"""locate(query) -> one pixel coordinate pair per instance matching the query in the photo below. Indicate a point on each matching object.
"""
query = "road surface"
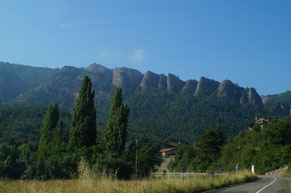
(264, 184)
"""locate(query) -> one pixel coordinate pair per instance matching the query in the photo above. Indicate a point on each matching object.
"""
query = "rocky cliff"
(65, 82)
(254, 97)
(190, 86)
(126, 77)
(251, 97)
(206, 86)
(229, 91)
(174, 84)
(162, 82)
(149, 80)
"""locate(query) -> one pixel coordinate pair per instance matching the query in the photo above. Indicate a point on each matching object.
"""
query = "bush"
(10, 166)
(120, 168)
(115, 167)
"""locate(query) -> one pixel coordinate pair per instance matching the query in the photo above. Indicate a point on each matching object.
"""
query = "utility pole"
(136, 157)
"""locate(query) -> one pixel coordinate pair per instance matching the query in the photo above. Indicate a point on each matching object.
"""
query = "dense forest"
(53, 155)
(164, 109)
(267, 147)
(155, 117)
(51, 119)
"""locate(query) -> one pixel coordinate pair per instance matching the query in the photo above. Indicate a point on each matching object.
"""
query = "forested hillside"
(267, 147)
(161, 106)
(51, 154)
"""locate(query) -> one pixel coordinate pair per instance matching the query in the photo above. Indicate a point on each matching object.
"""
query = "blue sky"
(246, 41)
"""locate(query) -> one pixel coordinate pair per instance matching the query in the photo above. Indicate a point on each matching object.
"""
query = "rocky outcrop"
(206, 86)
(190, 86)
(150, 80)
(162, 82)
(97, 68)
(174, 84)
(69, 69)
(98, 74)
(229, 91)
(251, 97)
(126, 77)
(69, 72)
(254, 97)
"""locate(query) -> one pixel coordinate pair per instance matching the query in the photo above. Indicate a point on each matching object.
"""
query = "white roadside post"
(253, 168)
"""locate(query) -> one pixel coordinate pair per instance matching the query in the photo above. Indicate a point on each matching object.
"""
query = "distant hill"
(174, 109)
(16, 79)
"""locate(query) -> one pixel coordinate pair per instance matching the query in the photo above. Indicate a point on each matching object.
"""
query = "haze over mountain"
(159, 103)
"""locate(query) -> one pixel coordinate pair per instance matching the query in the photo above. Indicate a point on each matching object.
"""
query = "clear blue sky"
(246, 41)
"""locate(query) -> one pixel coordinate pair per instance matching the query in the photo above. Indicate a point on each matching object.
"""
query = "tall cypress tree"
(116, 129)
(83, 125)
(50, 129)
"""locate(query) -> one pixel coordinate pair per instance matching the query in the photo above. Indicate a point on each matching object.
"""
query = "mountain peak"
(254, 97)
(69, 69)
(162, 82)
(227, 90)
(126, 77)
(96, 68)
(190, 86)
(206, 86)
(174, 84)
(150, 80)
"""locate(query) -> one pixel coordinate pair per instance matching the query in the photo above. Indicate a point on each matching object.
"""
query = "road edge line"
(275, 179)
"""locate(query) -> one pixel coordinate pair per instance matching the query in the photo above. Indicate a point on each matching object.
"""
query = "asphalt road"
(264, 184)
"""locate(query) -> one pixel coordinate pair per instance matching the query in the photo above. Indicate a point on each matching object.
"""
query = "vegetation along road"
(264, 184)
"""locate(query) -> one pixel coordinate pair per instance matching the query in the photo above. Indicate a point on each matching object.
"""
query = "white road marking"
(275, 179)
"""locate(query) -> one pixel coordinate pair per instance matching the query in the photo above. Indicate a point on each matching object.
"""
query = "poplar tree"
(50, 129)
(116, 129)
(83, 125)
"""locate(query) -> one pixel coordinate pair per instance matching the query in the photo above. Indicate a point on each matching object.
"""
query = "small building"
(166, 152)
(261, 122)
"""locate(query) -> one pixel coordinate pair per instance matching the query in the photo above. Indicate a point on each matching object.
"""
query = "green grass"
(88, 184)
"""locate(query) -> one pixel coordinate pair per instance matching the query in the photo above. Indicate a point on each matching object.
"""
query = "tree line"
(267, 147)
(53, 156)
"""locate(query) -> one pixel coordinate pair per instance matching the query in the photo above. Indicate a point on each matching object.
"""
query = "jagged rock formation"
(69, 69)
(99, 74)
(254, 97)
(65, 82)
(150, 80)
(97, 68)
(190, 86)
(267, 98)
(162, 82)
(229, 91)
(283, 97)
(251, 97)
(206, 86)
(174, 84)
(126, 77)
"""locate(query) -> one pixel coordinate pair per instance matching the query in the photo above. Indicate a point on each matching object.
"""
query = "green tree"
(83, 125)
(116, 129)
(208, 148)
(10, 167)
(50, 129)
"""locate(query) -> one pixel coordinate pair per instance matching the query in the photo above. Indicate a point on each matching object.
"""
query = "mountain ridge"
(131, 78)
(165, 105)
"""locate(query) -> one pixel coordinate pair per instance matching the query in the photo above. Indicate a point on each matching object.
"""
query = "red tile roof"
(166, 150)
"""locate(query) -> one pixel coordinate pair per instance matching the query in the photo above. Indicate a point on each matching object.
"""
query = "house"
(261, 122)
(166, 152)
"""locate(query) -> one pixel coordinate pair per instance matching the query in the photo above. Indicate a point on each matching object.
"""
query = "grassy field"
(87, 184)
